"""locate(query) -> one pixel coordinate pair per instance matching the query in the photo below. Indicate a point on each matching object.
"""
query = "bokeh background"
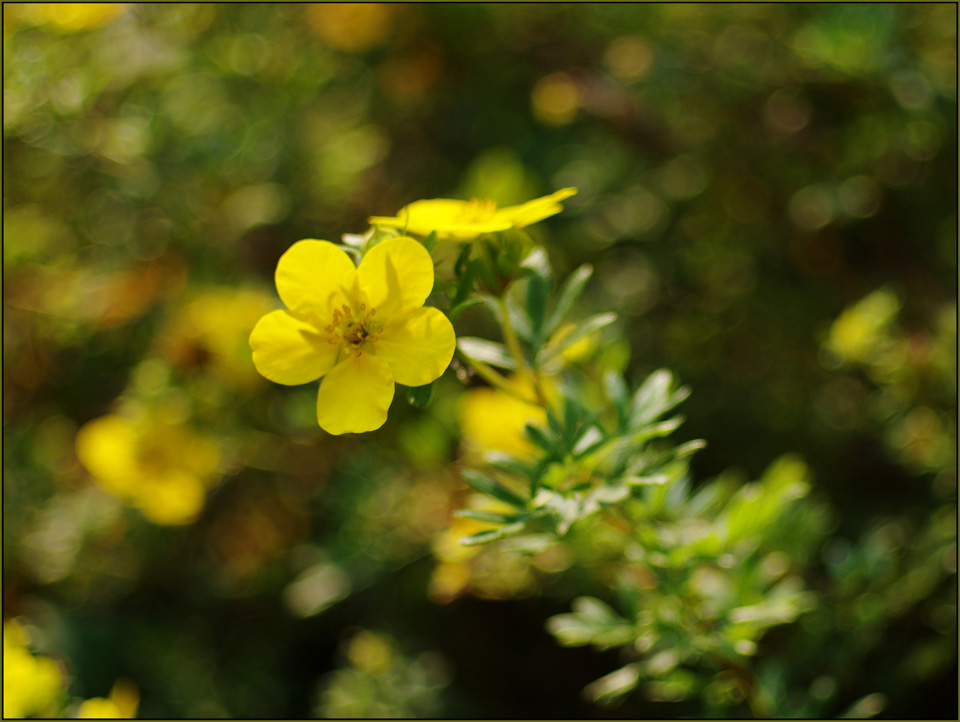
(767, 192)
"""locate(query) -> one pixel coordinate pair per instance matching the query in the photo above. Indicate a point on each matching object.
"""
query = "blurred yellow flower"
(31, 684)
(161, 468)
(121, 704)
(70, 17)
(363, 329)
(351, 27)
(465, 220)
(493, 420)
(211, 333)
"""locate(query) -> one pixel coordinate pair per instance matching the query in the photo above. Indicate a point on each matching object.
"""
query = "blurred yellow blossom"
(211, 333)
(161, 468)
(364, 329)
(31, 684)
(121, 704)
(69, 17)
(351, 27)
(482, 570)
(494, 420)
(465, 220)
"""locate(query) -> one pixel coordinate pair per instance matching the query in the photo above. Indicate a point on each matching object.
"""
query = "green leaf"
(480, 481)
(461, 307)
(654, 398)
(539, 437)
(485, 537)
(569, 293)
(538, 287)
(592, 622)
(420, 396)
(490, 352)
(430, 241)
(611, 688)
(584, 329)
(494, 517)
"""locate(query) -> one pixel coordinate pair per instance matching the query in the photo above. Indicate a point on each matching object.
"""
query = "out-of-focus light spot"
(823, 688)
(911, 89)
(125, 139)
(921, 140)
(370, 652)
(256, 205)
(787, 111)
(860, 329)
(859, 196)
(636, 211)
(740, 44)
(316, 589)
(354, 151)
(69, 17)
(683, 177)
(629, 58)
(556, 99)
(812, 207)
(30, 232)
(352, 27)
(248, 53)
(408, 78)
(50, 548)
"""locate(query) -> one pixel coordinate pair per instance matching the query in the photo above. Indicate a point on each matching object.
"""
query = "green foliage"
(767, 203)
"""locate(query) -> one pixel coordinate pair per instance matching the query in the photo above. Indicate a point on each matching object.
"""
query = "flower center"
(354, 327)
(477, 211)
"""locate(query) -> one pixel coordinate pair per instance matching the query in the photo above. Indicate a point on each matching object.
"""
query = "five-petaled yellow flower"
(465, 220)
(361, 328)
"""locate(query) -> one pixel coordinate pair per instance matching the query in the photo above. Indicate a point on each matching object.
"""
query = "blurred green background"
(768, 193)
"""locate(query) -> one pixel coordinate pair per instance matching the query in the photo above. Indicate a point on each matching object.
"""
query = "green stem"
(513, 344)
(493, 378)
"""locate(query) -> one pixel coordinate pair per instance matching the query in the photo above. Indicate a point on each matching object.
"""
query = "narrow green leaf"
(485, 537)
(653, 397)
(490, 486)
(584, 328)
(539, 437)
(490, 352)
(461, 307)
(569, 293)
(538, 288)
(490, 516)
(430, 242)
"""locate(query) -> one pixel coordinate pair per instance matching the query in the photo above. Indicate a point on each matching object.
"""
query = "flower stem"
(513, 344)
(493, 378)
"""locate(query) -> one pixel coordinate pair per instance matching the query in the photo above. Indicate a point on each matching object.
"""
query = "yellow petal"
(355, 395)
(290, 351)
(536, 210)
(395, 275)
(418, 346)
(451, 219)
(106, 446)
(126, 697)
(99, 708)
(174, 498)
(314, 277)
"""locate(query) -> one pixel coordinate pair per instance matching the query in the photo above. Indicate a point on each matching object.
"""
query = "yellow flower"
(163, 469)
(71, 17)
(121, 704)
(31, 684)
(465, 220)
(362, 329)
(493, 420)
